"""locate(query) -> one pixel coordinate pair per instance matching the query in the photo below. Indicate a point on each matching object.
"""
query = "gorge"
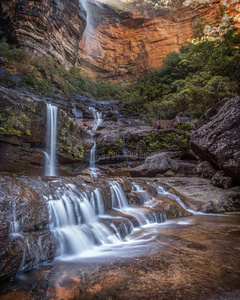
(99, 200)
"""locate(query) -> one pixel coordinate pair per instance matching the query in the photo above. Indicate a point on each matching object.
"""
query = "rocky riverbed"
(139, 230)
(189, 258)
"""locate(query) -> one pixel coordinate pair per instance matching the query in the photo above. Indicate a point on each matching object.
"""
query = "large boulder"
(218, 140)
(165, 163)
(154, 165)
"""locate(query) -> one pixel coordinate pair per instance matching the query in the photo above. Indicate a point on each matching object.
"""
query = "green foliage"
(64, 143)
(203, 73)
(33, 81)
(166, 141)
(185, 127)
(11, 124)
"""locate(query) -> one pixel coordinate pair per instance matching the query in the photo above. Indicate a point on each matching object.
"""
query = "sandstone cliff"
(44, 27)
(124, 46)
(117, 44)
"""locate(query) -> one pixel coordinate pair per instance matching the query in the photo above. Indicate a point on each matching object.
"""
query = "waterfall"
(97, 121)
(14, 224)
(162, 191)
(50, 154)
(145, 195)
(119, 201)
(74, 221)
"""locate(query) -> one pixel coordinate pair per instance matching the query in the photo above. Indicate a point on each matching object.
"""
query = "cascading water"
(50, 154)
(14, 224)
(162, 191)
(97, 121)
(74, 220)
(145, 195)
(119, 201)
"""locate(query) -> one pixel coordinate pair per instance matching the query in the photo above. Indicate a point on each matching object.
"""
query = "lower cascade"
(74, 220)
(79, 220)
(70, 217)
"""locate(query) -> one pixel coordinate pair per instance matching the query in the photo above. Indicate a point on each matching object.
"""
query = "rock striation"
(124, 46)
(117, 45)
(45, 27)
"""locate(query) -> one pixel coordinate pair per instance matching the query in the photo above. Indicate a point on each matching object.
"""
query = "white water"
(74, 221)
(50, 154)
(14, 224)
(97, 121)
(162, 191)
(77, 220)
(119, 201)
(145, 195)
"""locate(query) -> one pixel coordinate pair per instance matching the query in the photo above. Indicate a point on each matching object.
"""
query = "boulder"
(157, 164)
(206, 170)
(218, 141)
(220, 180)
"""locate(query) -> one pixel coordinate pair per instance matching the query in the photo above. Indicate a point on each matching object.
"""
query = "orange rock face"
(117, 46)
(125, 47)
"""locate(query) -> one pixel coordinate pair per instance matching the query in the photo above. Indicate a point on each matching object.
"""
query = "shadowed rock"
(218, 141)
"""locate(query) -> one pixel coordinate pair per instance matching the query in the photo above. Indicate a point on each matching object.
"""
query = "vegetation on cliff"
(204, 72)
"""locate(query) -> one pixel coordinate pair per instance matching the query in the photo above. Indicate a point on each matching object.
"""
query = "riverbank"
(194, 257)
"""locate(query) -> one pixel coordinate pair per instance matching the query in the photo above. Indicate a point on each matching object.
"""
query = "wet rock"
(201, 195)
(218, 141)
(220, 180)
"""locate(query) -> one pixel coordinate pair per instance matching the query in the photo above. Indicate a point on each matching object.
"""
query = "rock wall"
(126, 46)
(44, 27)
(218, 141)
(117, 45)
(23, 133)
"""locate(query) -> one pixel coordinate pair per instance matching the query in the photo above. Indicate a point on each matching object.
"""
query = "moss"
(68, 127)
(185, 127)
(115, 117)
(14, 125)
(120, 143)
(166, 141)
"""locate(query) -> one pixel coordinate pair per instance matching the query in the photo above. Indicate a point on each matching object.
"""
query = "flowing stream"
(80, 222)
(50, 154)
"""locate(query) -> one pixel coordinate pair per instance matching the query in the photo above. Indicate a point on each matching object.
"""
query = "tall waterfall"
(50, 154)
(97, 121)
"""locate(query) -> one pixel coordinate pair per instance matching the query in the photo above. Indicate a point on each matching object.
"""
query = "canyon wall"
(45, 27)
(123, 47)
(117, 45)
